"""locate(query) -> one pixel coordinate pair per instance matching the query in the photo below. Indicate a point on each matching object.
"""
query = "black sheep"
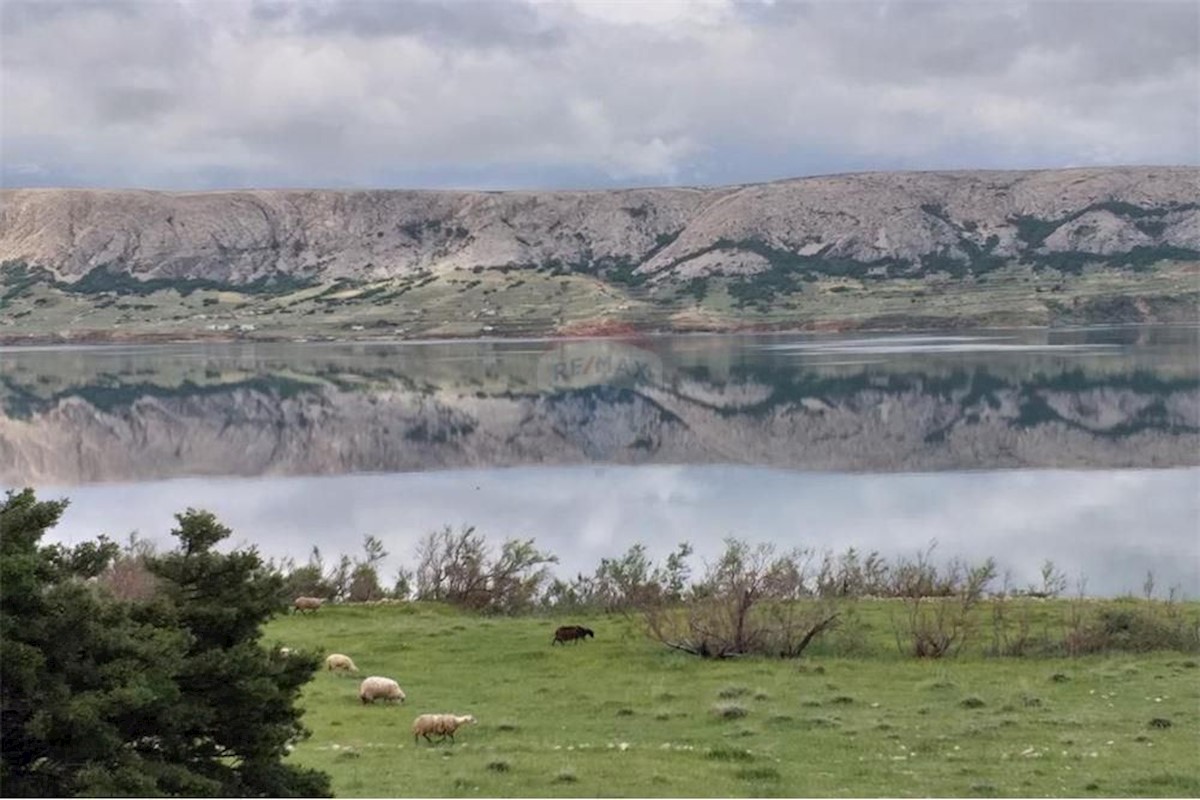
(571, 633)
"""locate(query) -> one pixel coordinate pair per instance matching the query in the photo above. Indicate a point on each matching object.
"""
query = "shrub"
(729, 711)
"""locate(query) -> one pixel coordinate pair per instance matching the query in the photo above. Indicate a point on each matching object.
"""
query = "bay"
(1079, 446)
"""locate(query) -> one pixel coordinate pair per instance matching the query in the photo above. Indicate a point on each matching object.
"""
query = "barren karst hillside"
(1034, 247)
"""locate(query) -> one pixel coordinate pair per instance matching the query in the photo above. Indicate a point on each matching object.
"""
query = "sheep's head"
(469, 719)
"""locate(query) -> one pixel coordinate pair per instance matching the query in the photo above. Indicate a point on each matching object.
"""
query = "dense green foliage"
(167, 694)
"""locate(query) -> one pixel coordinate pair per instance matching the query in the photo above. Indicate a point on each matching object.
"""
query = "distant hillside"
(865, 250)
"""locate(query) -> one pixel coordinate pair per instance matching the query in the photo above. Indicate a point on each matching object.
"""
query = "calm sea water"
(1078, 446)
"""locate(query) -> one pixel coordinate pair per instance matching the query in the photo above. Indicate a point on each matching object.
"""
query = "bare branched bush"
(459, 568)
(750, 601)
(127, 576)
(938, 615)
(849, 575)
(628, 583)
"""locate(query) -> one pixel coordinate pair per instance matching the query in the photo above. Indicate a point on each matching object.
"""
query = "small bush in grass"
(729, 711)
(761, 695)
(972, 701)
(758, 774)
(499, 765)
(823, 722)
(842, 700)
(566, 776)
(662, 716)
(730, 692)
(625, 712)
(1059, 677)
(724, 753)
(1160, 722)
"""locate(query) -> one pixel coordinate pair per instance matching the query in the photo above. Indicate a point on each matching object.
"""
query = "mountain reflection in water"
(1111, 398)
(1032, 445)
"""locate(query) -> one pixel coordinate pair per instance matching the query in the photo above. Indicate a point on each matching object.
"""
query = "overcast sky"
(498, 94)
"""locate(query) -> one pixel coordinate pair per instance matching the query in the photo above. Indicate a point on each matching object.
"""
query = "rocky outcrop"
(888, 223)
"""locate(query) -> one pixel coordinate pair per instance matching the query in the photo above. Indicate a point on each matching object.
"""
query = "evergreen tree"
(170, 696)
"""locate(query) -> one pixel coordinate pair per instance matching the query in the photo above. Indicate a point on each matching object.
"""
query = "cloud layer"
(503, 93)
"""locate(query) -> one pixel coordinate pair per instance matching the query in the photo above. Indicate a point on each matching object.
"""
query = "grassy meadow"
(621, 715)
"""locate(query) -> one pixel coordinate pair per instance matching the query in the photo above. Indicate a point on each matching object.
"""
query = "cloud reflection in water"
(1110, 526)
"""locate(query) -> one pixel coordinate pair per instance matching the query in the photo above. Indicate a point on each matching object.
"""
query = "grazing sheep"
(571, 633)
(307, 604)
(286, 651)
(336, 662)
(375, 687)
(441, 724)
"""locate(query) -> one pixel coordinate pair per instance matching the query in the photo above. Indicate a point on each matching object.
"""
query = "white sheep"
(441, 724)
(340, 663)
(307, 604)
(375, 687)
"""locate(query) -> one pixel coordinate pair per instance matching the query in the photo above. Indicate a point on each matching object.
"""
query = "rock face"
(891, 223)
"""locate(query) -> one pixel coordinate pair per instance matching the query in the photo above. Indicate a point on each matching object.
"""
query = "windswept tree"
(167, 695)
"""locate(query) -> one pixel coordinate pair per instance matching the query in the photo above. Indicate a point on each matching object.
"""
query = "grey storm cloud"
(509, 93)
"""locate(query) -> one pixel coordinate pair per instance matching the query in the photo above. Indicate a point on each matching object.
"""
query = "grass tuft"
(972, 701)
(729, 711)
(758, 774)
(566, 776)
(729, 692)
(725, 753)
(499, 765)
(1159, 722)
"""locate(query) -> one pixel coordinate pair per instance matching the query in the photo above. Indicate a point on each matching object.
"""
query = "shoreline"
(98, 338)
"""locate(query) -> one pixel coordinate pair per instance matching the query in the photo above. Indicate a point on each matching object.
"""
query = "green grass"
(619, 715)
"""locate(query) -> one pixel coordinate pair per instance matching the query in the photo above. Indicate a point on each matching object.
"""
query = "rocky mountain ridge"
(870, 224)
